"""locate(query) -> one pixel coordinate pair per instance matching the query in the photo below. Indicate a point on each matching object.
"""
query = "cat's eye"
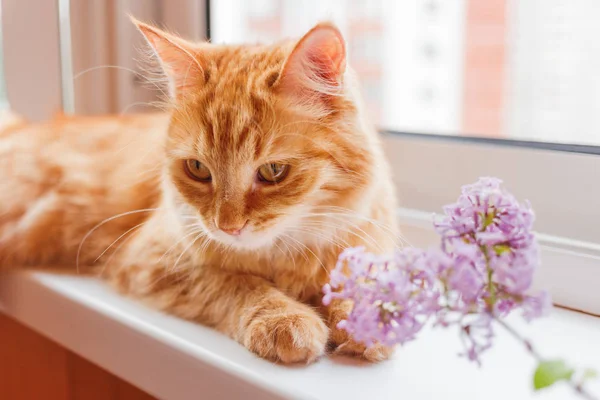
(197, 171)
(273, 172)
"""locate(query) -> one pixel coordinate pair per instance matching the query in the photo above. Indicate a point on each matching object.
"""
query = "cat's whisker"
(278, 248)
(186, 249)
(107, 220)
(312, 252)
(119, 67)
(192, 218)
(321, 235)
(177, 243)
(343, 224)
(149, 171)
(341, 242)
(119, 246)
(174, 270)
(289, 251)
(350, 212)
(117, 239)
(227, 250)
(112, 255)
(133, 140)
(147, 176)
(108, 261)
(203, 247)
(152, 104)
(383, 227)
(97, 67)
(368, 238)
(316, 236)
(297, 250)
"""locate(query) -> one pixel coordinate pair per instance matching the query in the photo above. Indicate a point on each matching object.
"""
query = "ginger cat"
(230, 208)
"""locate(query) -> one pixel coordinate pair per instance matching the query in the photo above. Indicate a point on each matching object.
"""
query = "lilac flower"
(393, 297)
(483, 270)
(514, 270)
(536, 306)
(503, 307)
(477, 336)
(487, 215)
(468, 274)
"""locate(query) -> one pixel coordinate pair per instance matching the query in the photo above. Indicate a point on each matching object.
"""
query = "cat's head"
(263, 139)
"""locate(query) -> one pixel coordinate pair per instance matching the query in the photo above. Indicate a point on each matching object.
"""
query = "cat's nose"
(233, 230)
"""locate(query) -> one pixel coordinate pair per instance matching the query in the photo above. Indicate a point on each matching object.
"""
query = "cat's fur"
(234, 108)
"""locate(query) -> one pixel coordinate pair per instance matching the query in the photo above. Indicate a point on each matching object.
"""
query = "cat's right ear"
(313, 73)
(180, 59)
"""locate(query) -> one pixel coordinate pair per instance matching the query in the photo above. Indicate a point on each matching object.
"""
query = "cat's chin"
(245, 241)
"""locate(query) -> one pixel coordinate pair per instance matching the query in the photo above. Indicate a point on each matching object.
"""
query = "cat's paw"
(374, 353)
(340, 341)
(294, 336)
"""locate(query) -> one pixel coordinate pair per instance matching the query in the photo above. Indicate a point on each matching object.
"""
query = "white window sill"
(175, 359)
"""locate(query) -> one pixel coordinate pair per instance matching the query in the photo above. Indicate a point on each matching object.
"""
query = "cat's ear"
(180, 59)
(315, 68)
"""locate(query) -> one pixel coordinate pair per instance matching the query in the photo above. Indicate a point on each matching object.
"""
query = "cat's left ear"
(315, 68)
(181, 60)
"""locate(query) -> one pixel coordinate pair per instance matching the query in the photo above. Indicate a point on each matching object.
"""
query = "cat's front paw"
(350, 347)
(290, 336)
(341, 342)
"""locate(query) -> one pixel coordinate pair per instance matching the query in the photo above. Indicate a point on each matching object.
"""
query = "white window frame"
(428, 170)
(101, 35)
(31, 57)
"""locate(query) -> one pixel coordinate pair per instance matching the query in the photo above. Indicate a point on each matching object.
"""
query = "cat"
(228, 209)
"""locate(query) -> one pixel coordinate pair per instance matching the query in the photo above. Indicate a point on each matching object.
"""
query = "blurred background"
(507, 69)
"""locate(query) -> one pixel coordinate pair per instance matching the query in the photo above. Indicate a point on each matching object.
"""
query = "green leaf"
(550, 372)
(588, 374)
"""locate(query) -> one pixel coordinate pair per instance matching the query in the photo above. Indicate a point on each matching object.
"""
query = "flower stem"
(492, 288)
(490, 273)
(577, 387)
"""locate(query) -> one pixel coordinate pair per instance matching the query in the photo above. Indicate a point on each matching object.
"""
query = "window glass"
(495, 68)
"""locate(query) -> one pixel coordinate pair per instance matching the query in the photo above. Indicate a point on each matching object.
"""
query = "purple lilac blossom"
(393, 297)
(483, 270)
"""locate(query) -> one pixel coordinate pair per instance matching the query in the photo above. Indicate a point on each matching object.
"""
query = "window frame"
(570, 256)
(417, 160)
(573, 164)
(566, 238)
(557, 178)
(35, 73)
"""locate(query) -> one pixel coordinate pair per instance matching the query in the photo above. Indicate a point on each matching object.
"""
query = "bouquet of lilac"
(482, 271)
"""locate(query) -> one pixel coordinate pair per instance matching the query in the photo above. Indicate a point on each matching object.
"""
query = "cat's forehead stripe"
(236, 104)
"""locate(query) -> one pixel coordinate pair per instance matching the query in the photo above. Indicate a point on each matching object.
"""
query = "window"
(499, 68)
(469, 88)
(460, 88)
